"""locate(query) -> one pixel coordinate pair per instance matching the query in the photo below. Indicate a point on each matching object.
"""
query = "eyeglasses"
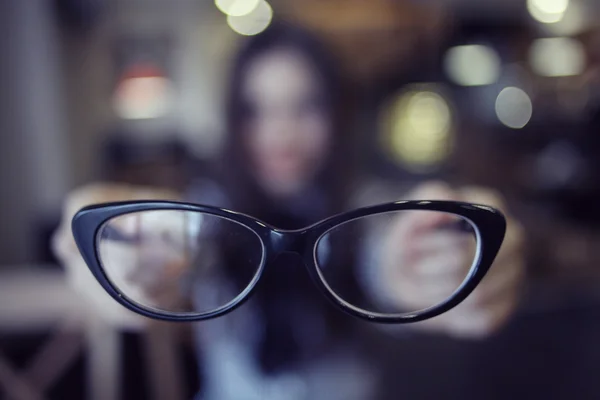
(185, 262)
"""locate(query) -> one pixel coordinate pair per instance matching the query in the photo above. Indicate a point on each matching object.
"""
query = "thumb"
(433, 190)
(429, 190)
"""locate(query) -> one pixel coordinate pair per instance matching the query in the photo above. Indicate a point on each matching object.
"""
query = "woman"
(285, 165)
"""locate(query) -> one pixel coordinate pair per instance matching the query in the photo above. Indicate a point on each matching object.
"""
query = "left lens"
(397, 262)
(178, 261)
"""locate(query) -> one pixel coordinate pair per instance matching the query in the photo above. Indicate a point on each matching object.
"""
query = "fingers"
(410, 224)
(441, 242)
(507, 271)
(472, 322)
(482, 195)
(438, 265)
(431, 220)
(438, 275)
(431, 263)
(94, 193)
(63, 246)
(442, 266)
(432, 190)
(432, 280)
(426, 261)
(488, 307)
(502, 281)
(514, 237)
(142, 269)
(514, 240)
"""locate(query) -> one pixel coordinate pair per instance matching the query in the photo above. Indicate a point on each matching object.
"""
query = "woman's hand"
(63, 243)
(126, 258)
(425, 263)
(147, 255)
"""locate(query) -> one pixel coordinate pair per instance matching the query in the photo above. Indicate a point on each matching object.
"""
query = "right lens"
(178, 261)
(404, 261)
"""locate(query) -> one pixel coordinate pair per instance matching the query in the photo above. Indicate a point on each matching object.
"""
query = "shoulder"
(207, 192)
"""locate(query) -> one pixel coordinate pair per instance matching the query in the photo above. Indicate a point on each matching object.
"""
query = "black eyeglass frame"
(489, 225)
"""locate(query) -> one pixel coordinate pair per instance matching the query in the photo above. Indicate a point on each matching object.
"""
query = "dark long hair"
(287, 299)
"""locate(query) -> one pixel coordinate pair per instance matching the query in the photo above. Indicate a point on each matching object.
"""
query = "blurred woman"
(285, 164)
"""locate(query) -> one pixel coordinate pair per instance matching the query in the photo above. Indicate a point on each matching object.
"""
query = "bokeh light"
(576, 19)
(419, 129)
(143, 92)
(557, 57)
(254, 22)
(547, 11)
(472, 65)
(513, 107)
(236, 8)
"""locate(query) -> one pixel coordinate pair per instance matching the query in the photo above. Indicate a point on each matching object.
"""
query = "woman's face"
(287, 131)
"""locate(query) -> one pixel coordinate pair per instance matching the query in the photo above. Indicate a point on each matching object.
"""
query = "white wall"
(55, 98)
(34, 155)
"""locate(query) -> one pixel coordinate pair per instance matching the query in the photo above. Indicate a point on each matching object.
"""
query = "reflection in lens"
(407, 261)
(176, 261)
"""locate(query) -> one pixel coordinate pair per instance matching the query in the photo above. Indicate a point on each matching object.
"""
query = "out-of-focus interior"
(499, 93)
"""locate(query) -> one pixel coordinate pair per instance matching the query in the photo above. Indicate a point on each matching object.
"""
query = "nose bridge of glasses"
(287, 241)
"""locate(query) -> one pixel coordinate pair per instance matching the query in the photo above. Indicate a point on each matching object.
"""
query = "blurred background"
(501, 93)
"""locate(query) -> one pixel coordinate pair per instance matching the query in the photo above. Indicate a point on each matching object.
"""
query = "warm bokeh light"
(547, 11)
(472, 65)
(236, 8)
(254, 22)
(143, 97)
(557, 57)
(419, 128)
(513, 107)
